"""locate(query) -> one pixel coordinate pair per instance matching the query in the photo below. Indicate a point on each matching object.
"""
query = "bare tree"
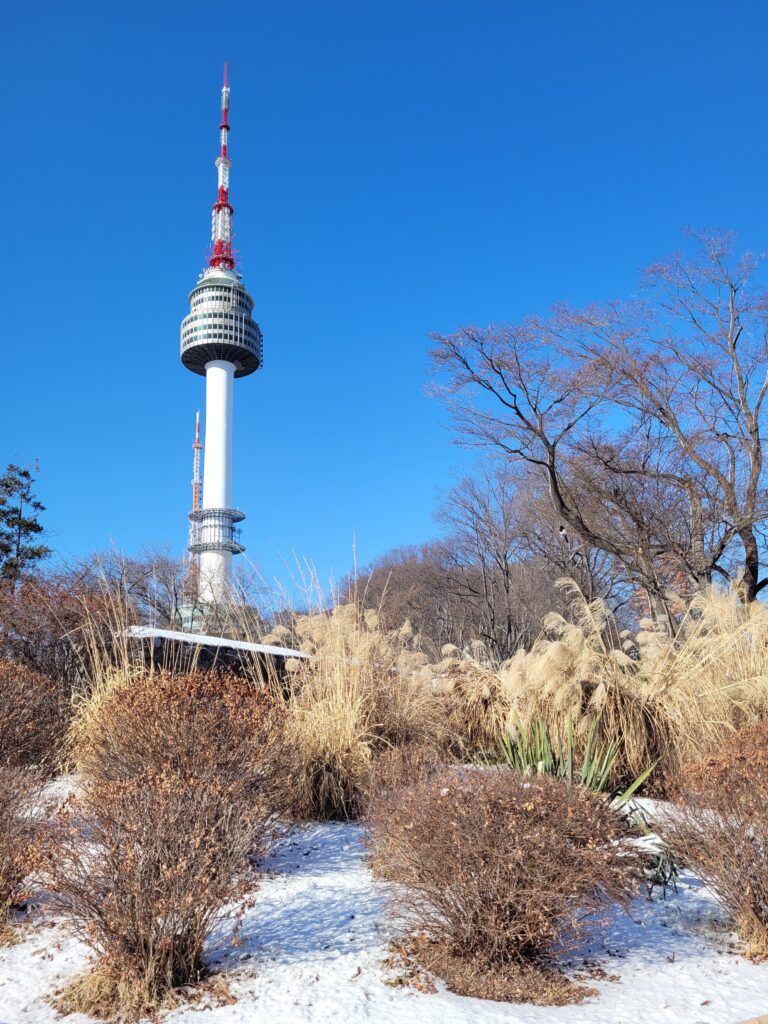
(492, 576)
(543, 537)
(487, 564)
(645, 418)
(690, 364)
(409, 583)
(505, 551)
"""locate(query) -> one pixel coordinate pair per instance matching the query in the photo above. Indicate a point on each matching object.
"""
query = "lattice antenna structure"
(197, 480)
(221, 219)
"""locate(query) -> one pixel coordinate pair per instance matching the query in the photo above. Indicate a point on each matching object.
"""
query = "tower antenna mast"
(221, 225)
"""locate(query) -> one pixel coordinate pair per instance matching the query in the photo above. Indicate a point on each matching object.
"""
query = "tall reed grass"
(356, 695)
(663, 700)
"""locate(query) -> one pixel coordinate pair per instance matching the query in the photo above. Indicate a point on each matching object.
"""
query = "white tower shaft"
(216, 566)
(219, 395)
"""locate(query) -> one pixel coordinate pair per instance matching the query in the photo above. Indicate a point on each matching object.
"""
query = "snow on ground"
(313, 944)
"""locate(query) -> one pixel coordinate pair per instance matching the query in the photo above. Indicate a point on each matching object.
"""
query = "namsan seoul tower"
(220, 341)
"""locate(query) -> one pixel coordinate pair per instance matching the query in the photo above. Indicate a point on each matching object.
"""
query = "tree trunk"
(751, 564)
(661, 615)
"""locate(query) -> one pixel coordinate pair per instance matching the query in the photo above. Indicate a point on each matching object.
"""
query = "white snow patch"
(314, 941)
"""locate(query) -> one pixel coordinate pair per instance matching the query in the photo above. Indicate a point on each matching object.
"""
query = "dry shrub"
(33, 719)
(214, 723)
(719, 827)
(396, 767)
(356, 695)
(504, 875)
(146, 868)
(665, 700)
(68, 627)
(737, 770)
(34, 712)
(21, 804)
(147, 858)
(36, 618)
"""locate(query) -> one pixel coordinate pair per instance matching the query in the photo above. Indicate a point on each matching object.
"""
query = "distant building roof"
(201, 640)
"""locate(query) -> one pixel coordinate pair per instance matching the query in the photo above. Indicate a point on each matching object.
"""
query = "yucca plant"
(533, 750)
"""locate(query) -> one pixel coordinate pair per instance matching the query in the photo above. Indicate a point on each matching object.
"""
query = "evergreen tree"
(19, 525)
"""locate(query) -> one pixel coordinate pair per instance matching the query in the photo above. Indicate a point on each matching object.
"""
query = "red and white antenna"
(197, 482)
(221, 228)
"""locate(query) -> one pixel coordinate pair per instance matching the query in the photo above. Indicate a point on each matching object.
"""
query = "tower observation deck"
(219, 325)
(220, 341)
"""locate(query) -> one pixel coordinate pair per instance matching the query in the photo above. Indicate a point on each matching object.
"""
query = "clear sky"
(398, 168)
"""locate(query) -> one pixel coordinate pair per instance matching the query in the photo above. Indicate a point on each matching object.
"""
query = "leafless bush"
(34, 712)
(503, 874)
(397, 767)
(147, 858)
(36, 617)
(203, 720)
(20, 804)
(734, 772)
(719, 827)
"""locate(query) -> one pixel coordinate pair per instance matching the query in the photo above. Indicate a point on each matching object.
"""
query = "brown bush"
(20, 808)
(719, 828)
(736, 770)
(397, 767)
(34, 713)
(177, 721)
(40, 619)
(146, 859)
(504, 874)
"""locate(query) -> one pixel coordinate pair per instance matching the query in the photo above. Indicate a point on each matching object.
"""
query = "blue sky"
(399, 168)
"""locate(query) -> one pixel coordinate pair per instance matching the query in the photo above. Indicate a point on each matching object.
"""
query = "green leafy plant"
(534, 750)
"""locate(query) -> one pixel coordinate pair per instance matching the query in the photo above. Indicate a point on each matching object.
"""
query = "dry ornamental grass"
(665, 701)
(350, 701)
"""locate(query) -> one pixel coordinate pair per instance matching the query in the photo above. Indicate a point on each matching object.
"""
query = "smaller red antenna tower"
(196, 479)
